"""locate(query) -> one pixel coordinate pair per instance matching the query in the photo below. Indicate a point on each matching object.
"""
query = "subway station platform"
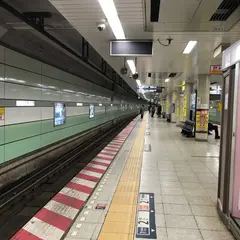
(159, 185)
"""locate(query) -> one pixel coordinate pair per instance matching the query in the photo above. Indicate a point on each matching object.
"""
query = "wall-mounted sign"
(2, 114)
(216, 70)
(59, 114)
(91, 111)
(21, 103)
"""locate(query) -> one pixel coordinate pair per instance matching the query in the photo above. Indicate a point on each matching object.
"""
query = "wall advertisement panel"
(202, 120)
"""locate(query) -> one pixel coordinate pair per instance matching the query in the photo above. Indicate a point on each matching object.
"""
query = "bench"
(187, 128)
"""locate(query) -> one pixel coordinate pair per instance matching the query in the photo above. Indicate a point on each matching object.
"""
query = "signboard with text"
(2, 114)
(216, 70)
(146, 225)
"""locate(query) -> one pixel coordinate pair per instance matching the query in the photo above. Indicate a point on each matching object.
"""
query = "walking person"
(153, 110)
(149, 108)
(159, 110)
(142, 111)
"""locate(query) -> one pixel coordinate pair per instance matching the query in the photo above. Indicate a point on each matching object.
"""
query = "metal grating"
(225, 10)
(155, 7)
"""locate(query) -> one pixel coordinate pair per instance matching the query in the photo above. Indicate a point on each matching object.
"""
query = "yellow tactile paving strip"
(120, 220)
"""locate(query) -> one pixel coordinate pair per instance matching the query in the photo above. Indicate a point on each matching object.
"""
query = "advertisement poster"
(2, 113)
(219, 107)
(91, 111)
(202, 120)
(59, 114)
(216, 70)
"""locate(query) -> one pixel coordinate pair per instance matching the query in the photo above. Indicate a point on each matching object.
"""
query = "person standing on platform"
(152, 110)
(212, 127)
(159, 110)
(142, 111)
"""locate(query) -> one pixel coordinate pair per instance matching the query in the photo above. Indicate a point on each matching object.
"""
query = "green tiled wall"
(19, 139)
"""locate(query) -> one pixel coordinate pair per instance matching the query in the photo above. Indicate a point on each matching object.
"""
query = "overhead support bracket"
(166, 45)
(37, 18)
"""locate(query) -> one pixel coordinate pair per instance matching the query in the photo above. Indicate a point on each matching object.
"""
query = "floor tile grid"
(194, 211)
(120, 220)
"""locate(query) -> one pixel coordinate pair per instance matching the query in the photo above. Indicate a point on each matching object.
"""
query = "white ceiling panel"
(183, 20)
(180, 11)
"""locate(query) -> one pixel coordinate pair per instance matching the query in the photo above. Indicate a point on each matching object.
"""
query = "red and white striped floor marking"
(54, 219)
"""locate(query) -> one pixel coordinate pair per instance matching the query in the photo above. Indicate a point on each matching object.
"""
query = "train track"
(17, 198)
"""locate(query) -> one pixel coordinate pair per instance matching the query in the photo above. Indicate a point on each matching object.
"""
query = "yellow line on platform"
(120, 220)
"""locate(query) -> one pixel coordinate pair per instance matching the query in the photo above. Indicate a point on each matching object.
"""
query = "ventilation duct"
(225, 10)
(172, 75)
(155, 7)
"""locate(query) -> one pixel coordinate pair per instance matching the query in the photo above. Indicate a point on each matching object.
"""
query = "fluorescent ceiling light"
(189, 47)
(167, 80)
(79, 104)
(132, 66)
(138, 82)
(111, 14)
(20, 103)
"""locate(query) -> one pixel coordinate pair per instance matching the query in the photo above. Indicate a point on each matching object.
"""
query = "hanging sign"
(2, 114)
(202, 120)
(146, 225)
(216, 70)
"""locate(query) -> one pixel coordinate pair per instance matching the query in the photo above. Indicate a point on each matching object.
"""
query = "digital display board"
(131, 48)
(59, 114)
(91, 111)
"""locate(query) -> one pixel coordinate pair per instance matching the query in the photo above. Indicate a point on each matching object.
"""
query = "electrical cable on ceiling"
(165, 45)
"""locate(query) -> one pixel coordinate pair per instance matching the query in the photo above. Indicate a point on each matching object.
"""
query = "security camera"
(102, 24)
(101, 27)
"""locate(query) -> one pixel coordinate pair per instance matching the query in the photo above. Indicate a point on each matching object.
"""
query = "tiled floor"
(183, 175)
(180, 172)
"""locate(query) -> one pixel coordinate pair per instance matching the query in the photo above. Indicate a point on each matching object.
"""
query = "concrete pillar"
(186, 101)
(177, 107)
(202, 111)
(168, 103)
